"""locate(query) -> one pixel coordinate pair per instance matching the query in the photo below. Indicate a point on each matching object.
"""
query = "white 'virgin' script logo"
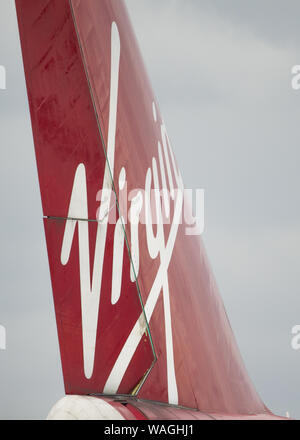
(158, 245)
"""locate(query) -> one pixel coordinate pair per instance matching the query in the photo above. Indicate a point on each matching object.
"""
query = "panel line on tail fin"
(109, 152)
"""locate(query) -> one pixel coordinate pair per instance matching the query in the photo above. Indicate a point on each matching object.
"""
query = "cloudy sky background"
(221, 71)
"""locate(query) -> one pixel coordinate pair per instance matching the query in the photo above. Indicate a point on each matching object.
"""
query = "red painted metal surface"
(114, 325)
(66, 134)
(70, 51)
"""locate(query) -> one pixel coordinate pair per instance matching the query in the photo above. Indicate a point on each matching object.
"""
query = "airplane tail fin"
(137, 307)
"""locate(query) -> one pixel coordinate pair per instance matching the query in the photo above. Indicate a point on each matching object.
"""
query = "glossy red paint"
(66, 134)
(67, 53)
(115, 322)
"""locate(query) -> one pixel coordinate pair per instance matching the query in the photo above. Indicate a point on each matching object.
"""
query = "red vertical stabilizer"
(137, 307)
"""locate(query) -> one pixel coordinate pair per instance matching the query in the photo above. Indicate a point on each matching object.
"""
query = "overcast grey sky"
(221, 71)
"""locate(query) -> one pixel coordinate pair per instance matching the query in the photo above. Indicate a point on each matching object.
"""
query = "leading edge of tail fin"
(117, 251)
